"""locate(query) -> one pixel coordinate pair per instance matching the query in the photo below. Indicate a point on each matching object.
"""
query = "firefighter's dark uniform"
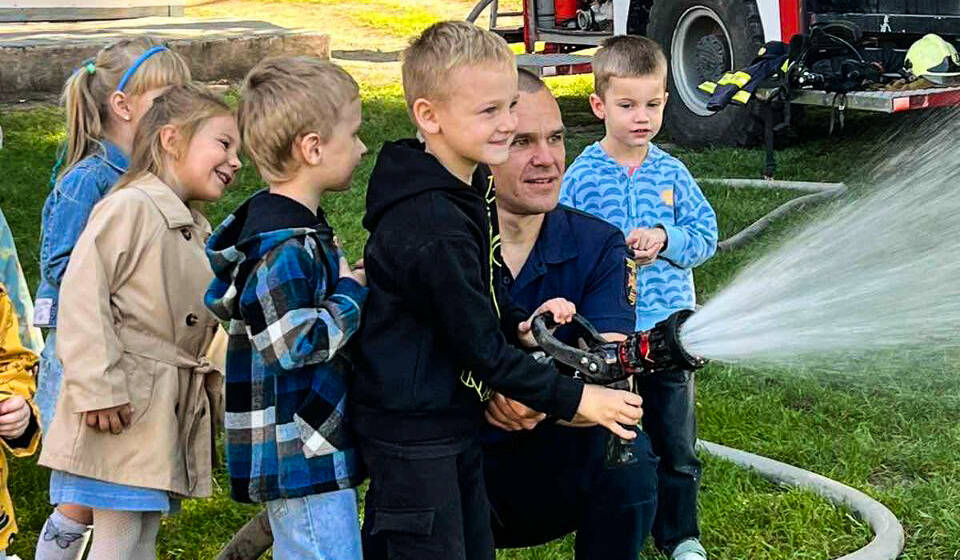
(551, 481)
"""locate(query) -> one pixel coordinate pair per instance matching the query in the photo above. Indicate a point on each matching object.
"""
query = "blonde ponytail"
(87, 92)
(84, 127)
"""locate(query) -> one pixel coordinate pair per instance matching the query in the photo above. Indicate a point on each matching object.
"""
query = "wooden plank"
(38, 57)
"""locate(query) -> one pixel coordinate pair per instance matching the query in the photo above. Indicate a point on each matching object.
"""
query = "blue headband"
(137, 63)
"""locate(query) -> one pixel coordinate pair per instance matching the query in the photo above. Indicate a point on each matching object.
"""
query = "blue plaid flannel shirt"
(286, 375)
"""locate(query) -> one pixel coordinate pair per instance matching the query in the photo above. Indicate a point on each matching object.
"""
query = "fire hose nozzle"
(660, 348)
(604, 362)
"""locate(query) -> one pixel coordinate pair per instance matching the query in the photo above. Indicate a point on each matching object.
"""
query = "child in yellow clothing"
(19, 425)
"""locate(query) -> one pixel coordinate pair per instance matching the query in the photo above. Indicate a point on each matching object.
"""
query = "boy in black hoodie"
(436, 334)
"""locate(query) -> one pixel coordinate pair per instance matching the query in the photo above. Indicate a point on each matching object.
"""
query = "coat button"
(192, 320)
(186, 233)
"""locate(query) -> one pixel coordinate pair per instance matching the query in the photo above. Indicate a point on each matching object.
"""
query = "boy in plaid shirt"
(292, 303)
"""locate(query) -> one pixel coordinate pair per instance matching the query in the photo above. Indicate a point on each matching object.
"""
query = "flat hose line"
(816, 193)
(888, 540)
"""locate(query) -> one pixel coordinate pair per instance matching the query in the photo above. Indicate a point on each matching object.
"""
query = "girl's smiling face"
(206, 167)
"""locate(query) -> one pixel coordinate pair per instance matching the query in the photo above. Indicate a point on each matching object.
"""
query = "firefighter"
(546, 479)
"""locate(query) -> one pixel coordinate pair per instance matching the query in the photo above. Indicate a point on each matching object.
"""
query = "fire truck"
(704, 39)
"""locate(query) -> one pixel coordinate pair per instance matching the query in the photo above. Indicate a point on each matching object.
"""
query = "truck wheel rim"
(701, 50)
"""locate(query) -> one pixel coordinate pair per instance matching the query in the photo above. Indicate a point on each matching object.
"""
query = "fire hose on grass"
(659, 349)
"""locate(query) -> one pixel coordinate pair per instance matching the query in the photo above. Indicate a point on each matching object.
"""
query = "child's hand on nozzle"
(562, 310)
(14, 417)
(646, 244)
(611, 408)
(113, 419)
(358, 274)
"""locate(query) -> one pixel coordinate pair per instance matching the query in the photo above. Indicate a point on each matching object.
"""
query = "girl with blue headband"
(104, 98)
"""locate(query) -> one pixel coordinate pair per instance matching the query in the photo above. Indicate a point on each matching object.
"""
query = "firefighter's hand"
(510, 415)
(610, 408)
(114, 419)
(14, 417)
(646, 244)
(562, 311)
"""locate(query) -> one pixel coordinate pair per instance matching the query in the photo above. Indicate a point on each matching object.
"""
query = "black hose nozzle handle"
(643, 353)
(591, 367)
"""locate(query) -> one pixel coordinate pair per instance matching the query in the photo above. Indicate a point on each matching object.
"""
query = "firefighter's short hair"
(528, 82)
(284, 98)
(627, 56)
(444, 47)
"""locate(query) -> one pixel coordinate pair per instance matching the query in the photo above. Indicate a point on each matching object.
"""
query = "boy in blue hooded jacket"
(671, 228)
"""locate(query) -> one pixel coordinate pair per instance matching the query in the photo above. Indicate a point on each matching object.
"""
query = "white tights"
(124, 535)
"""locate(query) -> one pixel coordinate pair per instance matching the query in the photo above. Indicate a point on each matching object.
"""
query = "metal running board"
(555, 64)
(881, 101)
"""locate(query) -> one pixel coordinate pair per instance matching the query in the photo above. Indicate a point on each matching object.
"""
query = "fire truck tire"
(700, 37)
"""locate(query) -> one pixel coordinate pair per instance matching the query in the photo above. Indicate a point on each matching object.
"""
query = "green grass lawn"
(898, 442)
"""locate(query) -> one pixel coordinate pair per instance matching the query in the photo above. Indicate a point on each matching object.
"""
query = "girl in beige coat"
(133, 424)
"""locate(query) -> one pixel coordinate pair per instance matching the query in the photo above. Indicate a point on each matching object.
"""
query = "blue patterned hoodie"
(290, 315)
(660, 193)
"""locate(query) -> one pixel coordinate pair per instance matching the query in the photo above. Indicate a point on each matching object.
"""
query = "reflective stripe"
(742, 96)
(708, 87)
(738, 79)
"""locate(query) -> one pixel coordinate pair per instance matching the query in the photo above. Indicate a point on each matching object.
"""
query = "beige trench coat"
(133, 329)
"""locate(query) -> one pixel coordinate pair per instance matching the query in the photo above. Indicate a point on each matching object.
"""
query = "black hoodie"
(431, 345)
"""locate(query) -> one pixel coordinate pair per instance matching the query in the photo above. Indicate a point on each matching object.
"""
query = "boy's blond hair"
(444, 47)
(627, 56)
(284, 98)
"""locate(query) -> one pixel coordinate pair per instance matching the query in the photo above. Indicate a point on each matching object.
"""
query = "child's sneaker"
(690, 549)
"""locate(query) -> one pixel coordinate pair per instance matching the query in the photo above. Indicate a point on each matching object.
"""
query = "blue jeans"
(48, 381)
(669, 418)
(322, 526)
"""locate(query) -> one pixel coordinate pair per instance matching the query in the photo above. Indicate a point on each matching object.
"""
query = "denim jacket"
(65, 214)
